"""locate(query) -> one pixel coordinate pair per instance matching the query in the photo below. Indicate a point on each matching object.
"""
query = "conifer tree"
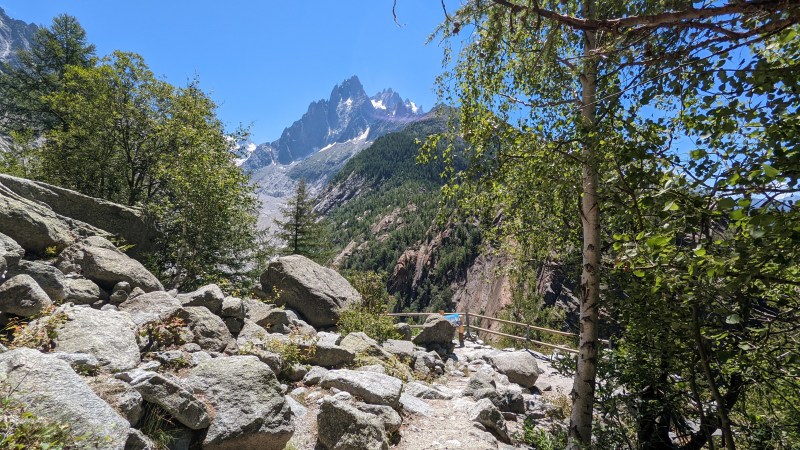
(300, 228)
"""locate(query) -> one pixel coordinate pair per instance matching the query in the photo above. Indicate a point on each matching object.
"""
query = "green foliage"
(38, 332)
(157, 425)
(21, 429)
(370, 316)
(297, 349)
(113, 130)
(539, 438)
(301, 229)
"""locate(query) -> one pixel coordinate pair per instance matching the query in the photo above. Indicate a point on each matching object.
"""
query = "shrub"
(39, 333)
(370, 316)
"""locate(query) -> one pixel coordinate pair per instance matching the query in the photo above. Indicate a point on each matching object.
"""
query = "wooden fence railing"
(528, 327)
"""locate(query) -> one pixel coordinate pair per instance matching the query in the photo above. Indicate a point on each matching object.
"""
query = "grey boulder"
(342, 426)
(316, 292)
(49, 278)
(150, 307)
(210, 296)
(110, 336)
(81, 291)
(375, 388)
(100, 261)
(121, 396)
(486, 414)
(10, 252)
(251, 411)
(437, 334)
(520, 367)
(21, 295)
(208, 330)
(34, 226)
(49, 388)
(168, 392)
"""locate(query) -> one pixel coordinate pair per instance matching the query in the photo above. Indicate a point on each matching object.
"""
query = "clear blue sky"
(264, 61)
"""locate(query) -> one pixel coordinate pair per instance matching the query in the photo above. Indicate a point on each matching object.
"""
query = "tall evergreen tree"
(300, 229)
(40, 72)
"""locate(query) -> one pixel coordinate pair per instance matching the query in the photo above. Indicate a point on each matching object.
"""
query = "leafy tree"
(300, 229)
(547, 96)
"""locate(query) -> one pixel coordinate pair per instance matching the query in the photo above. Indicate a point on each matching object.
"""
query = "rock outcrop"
(344, 427)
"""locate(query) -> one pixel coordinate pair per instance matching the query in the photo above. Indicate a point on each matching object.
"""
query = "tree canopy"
(661, 136)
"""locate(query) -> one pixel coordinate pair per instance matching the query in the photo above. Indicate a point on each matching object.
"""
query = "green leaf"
(699, 251)
(639, 273)
(770, 171)
(658, 241)
(733, 319)
(671, 206)
(726, 203)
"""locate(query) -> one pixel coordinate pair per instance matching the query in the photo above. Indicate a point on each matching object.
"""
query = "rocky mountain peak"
(348, 114)
(14, 35)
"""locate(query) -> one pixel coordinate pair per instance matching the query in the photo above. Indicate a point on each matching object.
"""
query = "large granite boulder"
(122, 396)
(250, 410)
(436, 335)
(375, 388)
(341, 426)
(520, 367)
(49, 278)
(110, 336)
(100, 261)
(21, 295)
(361, 344)
(49, 388)
(316, 292)
(32, 225)
(130, 223)
(485, 413)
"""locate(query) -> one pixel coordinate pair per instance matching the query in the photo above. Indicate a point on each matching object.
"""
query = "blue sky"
(264, 61)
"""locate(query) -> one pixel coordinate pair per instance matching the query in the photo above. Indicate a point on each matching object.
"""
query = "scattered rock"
(390, 418)
(48, 387)
(138, 441)
(400, 349)
(10, 252)
(344, 427)
(250, 410)
(168, 392)
(49, 278)
(120, 395)
(372, 387)
(361, 344)
(404, 329)
(209, 331)
(232, 307)
(21, 295)
(314, 376)
(151, 307)
(331, 355)
(316, 292)
(485, 413)
(81, 291)
(416, 406)
(33, 226)
(80, 362)
(420, 390)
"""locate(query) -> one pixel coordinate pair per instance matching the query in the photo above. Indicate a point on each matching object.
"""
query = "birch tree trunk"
(580, 428)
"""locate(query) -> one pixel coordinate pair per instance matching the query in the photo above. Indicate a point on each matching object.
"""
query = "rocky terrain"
(93, 342)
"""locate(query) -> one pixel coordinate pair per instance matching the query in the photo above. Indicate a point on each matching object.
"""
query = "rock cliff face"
(14, 35)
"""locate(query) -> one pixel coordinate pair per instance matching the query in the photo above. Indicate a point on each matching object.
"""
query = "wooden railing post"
(466, 319)
(527, 336)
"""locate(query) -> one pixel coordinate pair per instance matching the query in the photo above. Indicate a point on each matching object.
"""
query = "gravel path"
(448, 425)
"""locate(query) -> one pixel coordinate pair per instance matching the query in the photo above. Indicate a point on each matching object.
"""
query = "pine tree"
(300, 228)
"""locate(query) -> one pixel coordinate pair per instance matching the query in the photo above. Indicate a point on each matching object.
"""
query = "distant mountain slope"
(14, 35)
(382, 209)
